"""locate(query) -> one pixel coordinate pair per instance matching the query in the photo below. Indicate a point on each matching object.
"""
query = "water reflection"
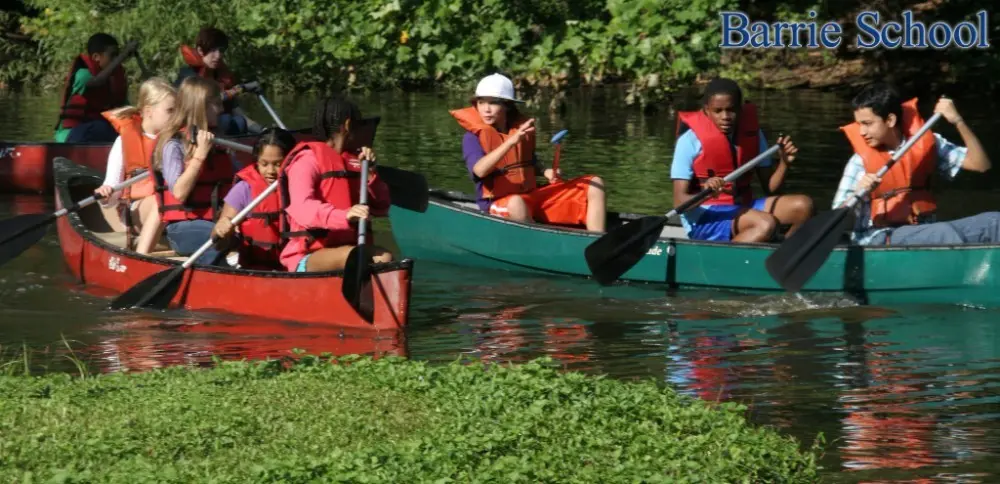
(145, 343)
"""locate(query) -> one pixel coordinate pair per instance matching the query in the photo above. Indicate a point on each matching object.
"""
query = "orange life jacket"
(340, 184)
(904, 195)
(137, 151)
(717, 153)
(220, 75)
(260, 246)
(515, 173)
(79, 108)
(205, 200)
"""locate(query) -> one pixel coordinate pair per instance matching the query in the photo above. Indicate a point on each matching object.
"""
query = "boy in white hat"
(499, 151)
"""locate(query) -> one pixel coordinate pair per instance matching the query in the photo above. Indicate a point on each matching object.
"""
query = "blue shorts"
(302, 264)
(716, 221)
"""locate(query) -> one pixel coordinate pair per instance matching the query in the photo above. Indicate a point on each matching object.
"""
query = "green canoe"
(453, 230)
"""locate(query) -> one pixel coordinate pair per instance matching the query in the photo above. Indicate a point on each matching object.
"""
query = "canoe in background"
(27, 166)
(455, 231)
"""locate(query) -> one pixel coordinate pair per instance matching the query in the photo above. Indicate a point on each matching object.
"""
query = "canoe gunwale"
(69, 174)
(451, 199)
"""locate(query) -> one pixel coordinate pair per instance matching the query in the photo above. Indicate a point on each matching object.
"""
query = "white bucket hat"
(496, 86)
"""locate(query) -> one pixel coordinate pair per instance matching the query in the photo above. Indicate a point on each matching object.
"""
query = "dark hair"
(100, 43)
(722, 86)
(881, 98)
(331, 114)
(276, 137)
(211, 38)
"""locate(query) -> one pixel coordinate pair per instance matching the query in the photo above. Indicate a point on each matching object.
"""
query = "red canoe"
(92, 242)
(27, 167)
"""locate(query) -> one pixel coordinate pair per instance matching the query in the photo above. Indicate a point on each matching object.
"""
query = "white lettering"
(115, 264)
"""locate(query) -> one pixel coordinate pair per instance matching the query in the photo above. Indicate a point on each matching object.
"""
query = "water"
(899, 393)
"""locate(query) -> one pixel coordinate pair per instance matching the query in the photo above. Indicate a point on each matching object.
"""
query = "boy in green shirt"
(96, 83)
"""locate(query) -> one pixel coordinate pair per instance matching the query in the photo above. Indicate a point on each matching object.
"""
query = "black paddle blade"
(155, 291)
(407, 189)
(618, 250)
(19, 233)
(799, 257)
(357, 285)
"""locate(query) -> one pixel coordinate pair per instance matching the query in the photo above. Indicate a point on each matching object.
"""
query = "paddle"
(800, 256)
(157, 290)
(357, 287)
(23, 231)
(618, 250)
(556, 138)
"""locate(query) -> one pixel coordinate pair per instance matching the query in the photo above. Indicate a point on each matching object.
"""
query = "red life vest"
(717, 153)
(221, 73)
(261, 242)
(78, 108)
(205, 200)
(340, 183)
(514, 173)
(137, 151)
(904, 194)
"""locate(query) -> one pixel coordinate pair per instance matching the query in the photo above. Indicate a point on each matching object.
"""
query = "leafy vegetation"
(390, 420)
(303, 44)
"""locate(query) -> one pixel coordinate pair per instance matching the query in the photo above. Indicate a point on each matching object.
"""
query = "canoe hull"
(302, 297)
(27, 167)
(452, 233)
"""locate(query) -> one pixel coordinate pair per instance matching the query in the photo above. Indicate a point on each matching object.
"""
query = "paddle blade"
(800, 256)
(155, 291)
(407, 189)
(19, 233)
(618, 250)
(357, 285)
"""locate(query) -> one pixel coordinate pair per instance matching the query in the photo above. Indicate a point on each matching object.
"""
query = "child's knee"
(382, 256)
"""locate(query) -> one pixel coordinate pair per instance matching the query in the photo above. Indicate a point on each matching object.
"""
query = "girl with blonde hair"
(195, 176)
(131, 153)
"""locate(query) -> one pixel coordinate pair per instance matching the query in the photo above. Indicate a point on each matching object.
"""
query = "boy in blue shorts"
(709, 140)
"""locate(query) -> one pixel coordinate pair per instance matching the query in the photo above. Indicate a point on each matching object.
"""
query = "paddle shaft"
(91, 199)
(75, 206)
(236, 221)
(270, 111)
(363, 200)
(702, 195)
(899, 154)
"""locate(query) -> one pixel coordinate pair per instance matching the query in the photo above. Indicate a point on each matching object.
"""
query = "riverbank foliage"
(304, 44)
(389, 420)
(654, 47)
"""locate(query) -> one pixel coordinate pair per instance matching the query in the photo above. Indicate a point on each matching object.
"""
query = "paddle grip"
(270, 111)
(362, 225)
(702, 195)
(236, 221)
(899, 154)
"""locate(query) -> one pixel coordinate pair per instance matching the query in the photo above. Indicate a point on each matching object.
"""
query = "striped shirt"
(949, 156)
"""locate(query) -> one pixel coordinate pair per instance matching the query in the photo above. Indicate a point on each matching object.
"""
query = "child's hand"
(204, 144)
(223, 228)
(104, 191)
(357, 212)
(716, 184)
(788, 150)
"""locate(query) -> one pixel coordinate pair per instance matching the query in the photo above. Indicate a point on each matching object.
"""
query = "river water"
(898, 393)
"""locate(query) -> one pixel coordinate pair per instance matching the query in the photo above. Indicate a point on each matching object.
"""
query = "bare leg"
(596, 206)
(754, 226)
(149, 221)
(790, 209)
(335, 258)
(518, 210)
